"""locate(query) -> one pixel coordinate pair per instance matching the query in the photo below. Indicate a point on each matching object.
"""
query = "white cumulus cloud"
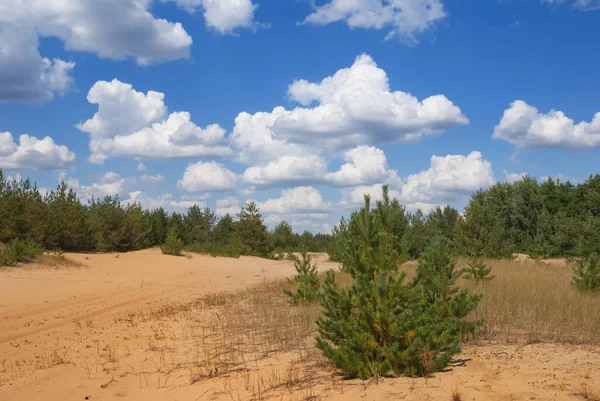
(448, 179)
(287, 169)
(525, 127)
(365, 165)
(34, 154)
(229, 205)
(353, 107)
(223, 15)
(134, 124)
(511, 178)
(206, 177)
(304, 199)
(404, 19)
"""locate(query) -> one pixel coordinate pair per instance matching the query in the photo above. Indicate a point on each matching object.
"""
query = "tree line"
(59, 220)
(547, 219)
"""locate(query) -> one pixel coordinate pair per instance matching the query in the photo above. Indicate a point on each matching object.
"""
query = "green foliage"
(17, 251)
(586, 273)
(172, 245)
(214, 249)
(252, 233)
(59, 220)
(306, 280)
(380, 325)
(478, 270)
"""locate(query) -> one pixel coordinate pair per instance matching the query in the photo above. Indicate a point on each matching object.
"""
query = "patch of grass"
(19, 251)
(530, 302)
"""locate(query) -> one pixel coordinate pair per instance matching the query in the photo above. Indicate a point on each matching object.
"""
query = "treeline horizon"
(542, 219)
(59, 220)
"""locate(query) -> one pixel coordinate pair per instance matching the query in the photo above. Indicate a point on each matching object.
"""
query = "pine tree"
(306, 280)
(172, 245)
(252, 233)
(478, 270)
(586, 273)
(380, 325)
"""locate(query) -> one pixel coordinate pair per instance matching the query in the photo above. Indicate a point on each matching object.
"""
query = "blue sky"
(300, 106)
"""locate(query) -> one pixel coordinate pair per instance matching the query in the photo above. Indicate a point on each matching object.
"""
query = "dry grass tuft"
(456, 396)
(535, 301)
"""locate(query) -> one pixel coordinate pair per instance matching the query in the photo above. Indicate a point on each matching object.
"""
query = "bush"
(18, 251)
(172, 245)
(586, 273)
(478, 271)
(379, 325)
(307, 280)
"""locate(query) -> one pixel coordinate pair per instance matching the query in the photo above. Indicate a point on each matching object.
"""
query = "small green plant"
(18, 251)
(172, 245)
(381, 325)
(307, 280)
(586, 273)
(478, 270)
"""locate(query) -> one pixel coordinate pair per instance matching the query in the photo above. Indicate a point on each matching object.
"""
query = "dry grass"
(56, 260)
(535, 301)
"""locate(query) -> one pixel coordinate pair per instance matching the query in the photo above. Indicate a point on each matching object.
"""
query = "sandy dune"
(68, 334)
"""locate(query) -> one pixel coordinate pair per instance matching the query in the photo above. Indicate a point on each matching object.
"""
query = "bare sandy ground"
(77, 332)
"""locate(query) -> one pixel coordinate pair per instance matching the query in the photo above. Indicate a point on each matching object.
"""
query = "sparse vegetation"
(308, 287)
(172, 245)
(477, 270)
(380, 325)
(17, 251)
(59, 220)
(586, 273)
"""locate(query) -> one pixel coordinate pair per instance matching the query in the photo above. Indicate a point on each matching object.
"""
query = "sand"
(67, 333)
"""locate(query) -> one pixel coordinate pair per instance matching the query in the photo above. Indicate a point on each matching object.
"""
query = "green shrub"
(18, 251)
(586, 273)
(379, 325)
(306, 279)
(478, 271)
(172, 245)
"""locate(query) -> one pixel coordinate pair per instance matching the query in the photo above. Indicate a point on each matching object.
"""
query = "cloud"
(296, 200)
(165, 201)
(134, 124)
(111, 184)
(511, 178)
(448, 179)
(580, 5)
(365, 165)
(525, 127)
(223, 15)
(353, 107)
(207, 176)
(133, 31)
(25, 76)
(34, 154)
(353, 197)
(230, 206)
(152, 180)
(141, 168)
(287, 169)
(404, 19)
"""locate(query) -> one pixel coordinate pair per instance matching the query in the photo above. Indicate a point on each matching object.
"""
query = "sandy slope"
(64, 336)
